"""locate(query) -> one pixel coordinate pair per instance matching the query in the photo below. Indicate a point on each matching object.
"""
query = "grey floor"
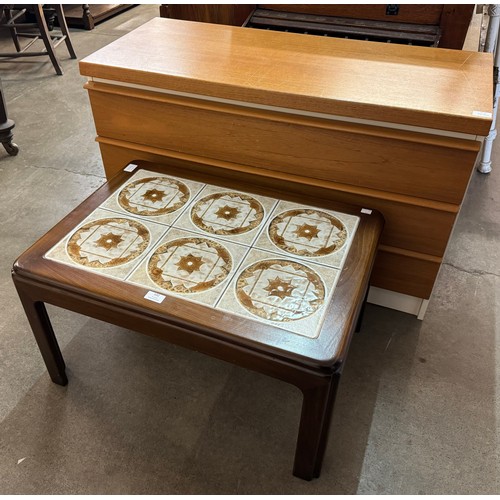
(418, 408)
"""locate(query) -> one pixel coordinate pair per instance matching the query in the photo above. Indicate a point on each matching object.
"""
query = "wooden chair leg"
(64, 29)
(47, 40)
(317, 408)
(45, 338)
(13, 31)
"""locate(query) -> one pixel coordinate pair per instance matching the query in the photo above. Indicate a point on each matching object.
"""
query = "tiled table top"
(273, 261)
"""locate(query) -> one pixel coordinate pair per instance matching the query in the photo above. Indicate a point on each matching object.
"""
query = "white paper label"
(130, 167)
(155, 297)
(366, 211)
(482, 114)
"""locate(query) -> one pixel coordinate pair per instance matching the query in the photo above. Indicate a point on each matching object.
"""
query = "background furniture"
(492, 45)
(37, 30)
(233, 14)
(431, 25)
(6, 127)
(392, 127)
(86, 15)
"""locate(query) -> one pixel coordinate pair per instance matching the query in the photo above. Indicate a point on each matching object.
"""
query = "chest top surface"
(420, 86)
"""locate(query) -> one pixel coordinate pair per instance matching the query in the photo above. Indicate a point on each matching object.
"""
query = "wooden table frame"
(39, 281)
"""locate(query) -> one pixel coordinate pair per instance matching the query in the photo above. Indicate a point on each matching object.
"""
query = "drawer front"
(410, 274)
(411, 227)
(408, 163)
(404, 274)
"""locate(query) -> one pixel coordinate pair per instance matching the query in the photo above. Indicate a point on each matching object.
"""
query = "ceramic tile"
(190, 266)
(227, 214)
(107, 243)
(282, 292)
(308, 233)
(273, 261)
(158, 197)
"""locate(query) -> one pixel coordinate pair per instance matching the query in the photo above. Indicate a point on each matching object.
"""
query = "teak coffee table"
(240, 272)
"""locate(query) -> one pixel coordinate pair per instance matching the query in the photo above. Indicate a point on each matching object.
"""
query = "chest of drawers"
(395, 128)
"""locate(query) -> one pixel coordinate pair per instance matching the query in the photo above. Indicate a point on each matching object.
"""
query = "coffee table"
(271, 282)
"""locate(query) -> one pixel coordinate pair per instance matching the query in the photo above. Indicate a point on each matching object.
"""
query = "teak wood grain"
(409, 273)
(415, 227)
(451, 20)
(416, 177)
(407, 226)
(313, 365)
(380, 158)
(436, 88)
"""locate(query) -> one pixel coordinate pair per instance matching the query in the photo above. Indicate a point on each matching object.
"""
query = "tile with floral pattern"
(158, 197)
(227, 214)
(190, 266)
(281, 291)
(312, 234)
(107, 243)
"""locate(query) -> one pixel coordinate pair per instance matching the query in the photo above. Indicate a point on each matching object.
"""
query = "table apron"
(303, 377)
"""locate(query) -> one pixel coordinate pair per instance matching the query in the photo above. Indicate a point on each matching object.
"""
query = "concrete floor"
(418, 407)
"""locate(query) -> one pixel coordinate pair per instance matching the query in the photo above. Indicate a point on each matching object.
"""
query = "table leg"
(45, 338)
(359, 322)
(325, 428)
(317, 408)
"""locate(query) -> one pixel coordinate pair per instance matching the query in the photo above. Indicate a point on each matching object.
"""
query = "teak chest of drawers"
(269, 284)
(397, 128)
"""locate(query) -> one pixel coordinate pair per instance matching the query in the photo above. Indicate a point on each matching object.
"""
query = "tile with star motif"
(281, 291)
(157, 197)
(107, 243)
(308, 233)
(227, 214)
(190, 266)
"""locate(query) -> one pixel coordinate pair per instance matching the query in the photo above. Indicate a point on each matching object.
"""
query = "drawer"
(396, 269)
(408, 274)
(408, 163)
(418, 228)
